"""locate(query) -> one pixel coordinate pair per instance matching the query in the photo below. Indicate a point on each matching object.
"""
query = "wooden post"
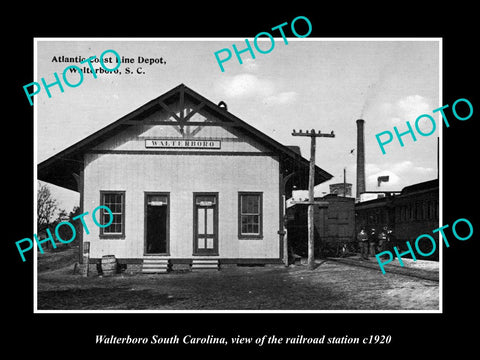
(284, 231)
(86, 257)
(311, 196)
(283, 214)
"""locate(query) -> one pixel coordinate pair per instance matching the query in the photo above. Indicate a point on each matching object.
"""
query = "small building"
(341, 189)
(186, 182)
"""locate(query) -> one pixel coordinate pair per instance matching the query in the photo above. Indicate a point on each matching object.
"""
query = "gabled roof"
(60, 168)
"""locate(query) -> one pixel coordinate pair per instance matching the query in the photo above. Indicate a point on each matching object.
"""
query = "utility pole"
(311, 183)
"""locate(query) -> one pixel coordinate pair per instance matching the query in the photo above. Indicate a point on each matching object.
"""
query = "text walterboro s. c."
(76, 70)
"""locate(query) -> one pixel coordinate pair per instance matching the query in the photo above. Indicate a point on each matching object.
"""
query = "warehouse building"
(187, 182)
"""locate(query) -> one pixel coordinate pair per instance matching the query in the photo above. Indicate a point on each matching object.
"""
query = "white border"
(35, 181)
(126, 39)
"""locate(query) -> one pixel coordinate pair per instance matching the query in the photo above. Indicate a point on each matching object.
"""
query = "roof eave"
(59, 168)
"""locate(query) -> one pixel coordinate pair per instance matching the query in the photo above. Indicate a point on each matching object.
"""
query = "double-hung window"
(115, 201)
(250, 214)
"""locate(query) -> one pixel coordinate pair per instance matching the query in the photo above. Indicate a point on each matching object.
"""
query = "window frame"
(107, 235)
(252, 236)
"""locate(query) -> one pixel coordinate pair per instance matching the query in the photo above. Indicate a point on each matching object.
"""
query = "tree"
(46, 206)
(65, 232)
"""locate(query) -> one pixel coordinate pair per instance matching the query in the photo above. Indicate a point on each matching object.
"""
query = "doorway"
(205, 222)
(157, 223)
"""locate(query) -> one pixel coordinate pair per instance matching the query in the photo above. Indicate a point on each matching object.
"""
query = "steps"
(155, 265)
(205, 264)
(158, 265)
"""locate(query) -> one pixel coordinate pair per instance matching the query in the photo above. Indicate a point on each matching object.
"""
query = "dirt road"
(331, 286)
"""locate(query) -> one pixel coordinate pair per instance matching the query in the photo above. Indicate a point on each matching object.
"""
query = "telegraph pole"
(311, 183)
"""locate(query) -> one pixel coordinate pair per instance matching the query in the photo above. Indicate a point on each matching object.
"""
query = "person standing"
(382, 239)
(391, 242)
(362, 238)
(372, 241)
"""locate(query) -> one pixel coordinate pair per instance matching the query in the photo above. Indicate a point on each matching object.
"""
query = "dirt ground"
(331, 286)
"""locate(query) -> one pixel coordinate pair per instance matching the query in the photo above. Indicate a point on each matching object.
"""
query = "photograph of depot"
(233, 190)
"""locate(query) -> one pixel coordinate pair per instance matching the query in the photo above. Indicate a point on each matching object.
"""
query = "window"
(115, 201)
(250, 215)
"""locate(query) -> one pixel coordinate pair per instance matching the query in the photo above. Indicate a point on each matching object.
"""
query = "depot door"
(205, 222)
(156, 223)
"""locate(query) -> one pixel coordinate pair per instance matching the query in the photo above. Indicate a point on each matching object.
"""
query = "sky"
(324, 84)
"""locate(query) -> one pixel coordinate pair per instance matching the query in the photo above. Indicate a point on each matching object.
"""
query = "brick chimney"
(360, 159)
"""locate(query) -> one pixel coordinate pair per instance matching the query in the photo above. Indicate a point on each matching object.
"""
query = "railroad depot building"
(187, 182)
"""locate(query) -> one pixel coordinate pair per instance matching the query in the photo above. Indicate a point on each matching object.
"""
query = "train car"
(334, 225)
(413, 212)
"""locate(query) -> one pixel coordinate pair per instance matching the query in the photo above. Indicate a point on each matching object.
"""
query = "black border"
(413, 334)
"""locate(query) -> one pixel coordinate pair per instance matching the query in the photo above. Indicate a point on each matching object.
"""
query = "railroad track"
(393, 269)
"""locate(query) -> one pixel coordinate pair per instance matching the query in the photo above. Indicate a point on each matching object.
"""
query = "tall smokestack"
(360, 159)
